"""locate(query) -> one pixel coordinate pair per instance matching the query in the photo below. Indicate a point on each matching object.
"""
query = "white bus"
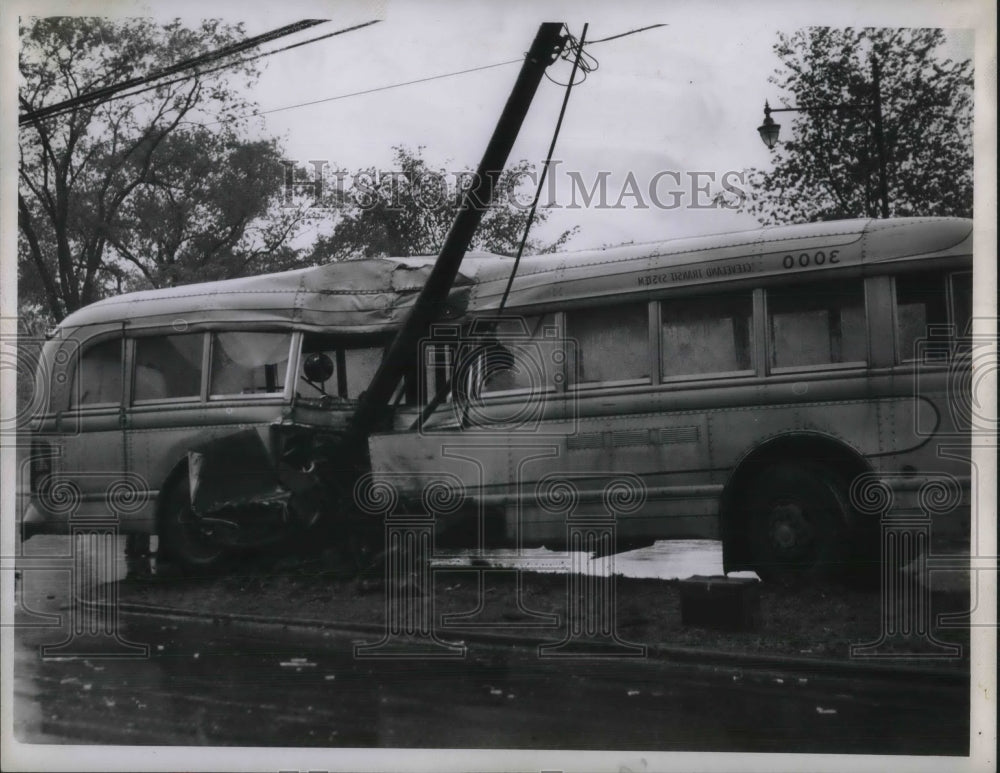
(743, 382)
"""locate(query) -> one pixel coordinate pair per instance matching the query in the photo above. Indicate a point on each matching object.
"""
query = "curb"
(679, 655)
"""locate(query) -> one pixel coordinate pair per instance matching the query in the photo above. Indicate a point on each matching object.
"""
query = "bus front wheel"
(797, 519)
(182, 536)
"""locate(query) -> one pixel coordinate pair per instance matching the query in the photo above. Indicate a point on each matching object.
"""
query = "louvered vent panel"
(678, 435)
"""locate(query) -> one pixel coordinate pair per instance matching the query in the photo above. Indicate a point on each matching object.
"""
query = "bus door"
(93, 456)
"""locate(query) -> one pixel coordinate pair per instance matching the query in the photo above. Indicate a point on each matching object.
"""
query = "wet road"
(205, 684)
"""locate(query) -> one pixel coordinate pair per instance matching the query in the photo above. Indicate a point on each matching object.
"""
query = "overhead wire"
(209, 56)
(69, 105)
(63, 108)
(626, 34)
(573, 51)
(440, 76)
(391, 86)
(545, 169)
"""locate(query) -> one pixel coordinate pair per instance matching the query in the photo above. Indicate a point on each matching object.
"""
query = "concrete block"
(725, 603)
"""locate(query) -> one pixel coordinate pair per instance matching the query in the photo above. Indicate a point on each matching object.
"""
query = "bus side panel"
(86, 470)
(942, 459)
(683, 458)
(159, 437)
(527, 474)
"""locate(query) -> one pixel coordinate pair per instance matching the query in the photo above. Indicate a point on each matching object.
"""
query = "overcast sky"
(685, 98)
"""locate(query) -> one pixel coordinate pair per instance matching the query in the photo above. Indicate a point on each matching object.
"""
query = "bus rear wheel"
(182, 537)
(798, 515)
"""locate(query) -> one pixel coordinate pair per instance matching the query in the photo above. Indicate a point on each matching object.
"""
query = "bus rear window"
(249, 363)
(961, 304)
(921, 316)
(99, 378)
(703, 336)
(168, 367)
(817, 324)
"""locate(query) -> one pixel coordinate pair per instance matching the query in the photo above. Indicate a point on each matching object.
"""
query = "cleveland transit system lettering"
(693, 274)
(810, 259)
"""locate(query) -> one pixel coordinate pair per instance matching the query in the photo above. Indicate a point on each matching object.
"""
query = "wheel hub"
(790, 531)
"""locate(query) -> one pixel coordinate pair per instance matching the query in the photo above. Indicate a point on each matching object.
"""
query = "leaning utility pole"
(426, 309)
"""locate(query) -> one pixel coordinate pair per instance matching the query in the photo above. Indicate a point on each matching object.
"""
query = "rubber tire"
(181, 541)
(798, 516)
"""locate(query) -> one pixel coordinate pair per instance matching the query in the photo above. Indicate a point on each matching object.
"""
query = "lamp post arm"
(818, 108)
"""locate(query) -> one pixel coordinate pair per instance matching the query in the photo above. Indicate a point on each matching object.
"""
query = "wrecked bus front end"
(201, 400)
(335, 313)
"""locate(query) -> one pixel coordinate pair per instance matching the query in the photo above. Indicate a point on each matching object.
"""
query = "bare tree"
(147, 189)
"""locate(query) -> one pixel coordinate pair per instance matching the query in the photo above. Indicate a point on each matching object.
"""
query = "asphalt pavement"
(150, 680)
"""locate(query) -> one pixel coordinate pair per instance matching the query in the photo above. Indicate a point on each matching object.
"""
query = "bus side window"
(961, 307)
(817, 324)
(360, 366)
(612, 342)
(438, 360)
(168, 367)
(353, 367)
(249, 363)
(99, 376)
(921, 315)
(526, 354)
(703, 336)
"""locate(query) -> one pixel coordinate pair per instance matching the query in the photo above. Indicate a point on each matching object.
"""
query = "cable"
(587, 62)
(626, 34)
(65, 107)
(545, 170)
(211, 56)
(382, 88)
(439, 397)
(253, 58)
(445, 75)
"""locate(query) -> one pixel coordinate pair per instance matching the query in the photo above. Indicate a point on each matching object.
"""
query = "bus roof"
(366, 296)
(357, 296)
(544, 280)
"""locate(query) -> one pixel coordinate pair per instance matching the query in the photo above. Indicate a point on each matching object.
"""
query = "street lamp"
(769, 130)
